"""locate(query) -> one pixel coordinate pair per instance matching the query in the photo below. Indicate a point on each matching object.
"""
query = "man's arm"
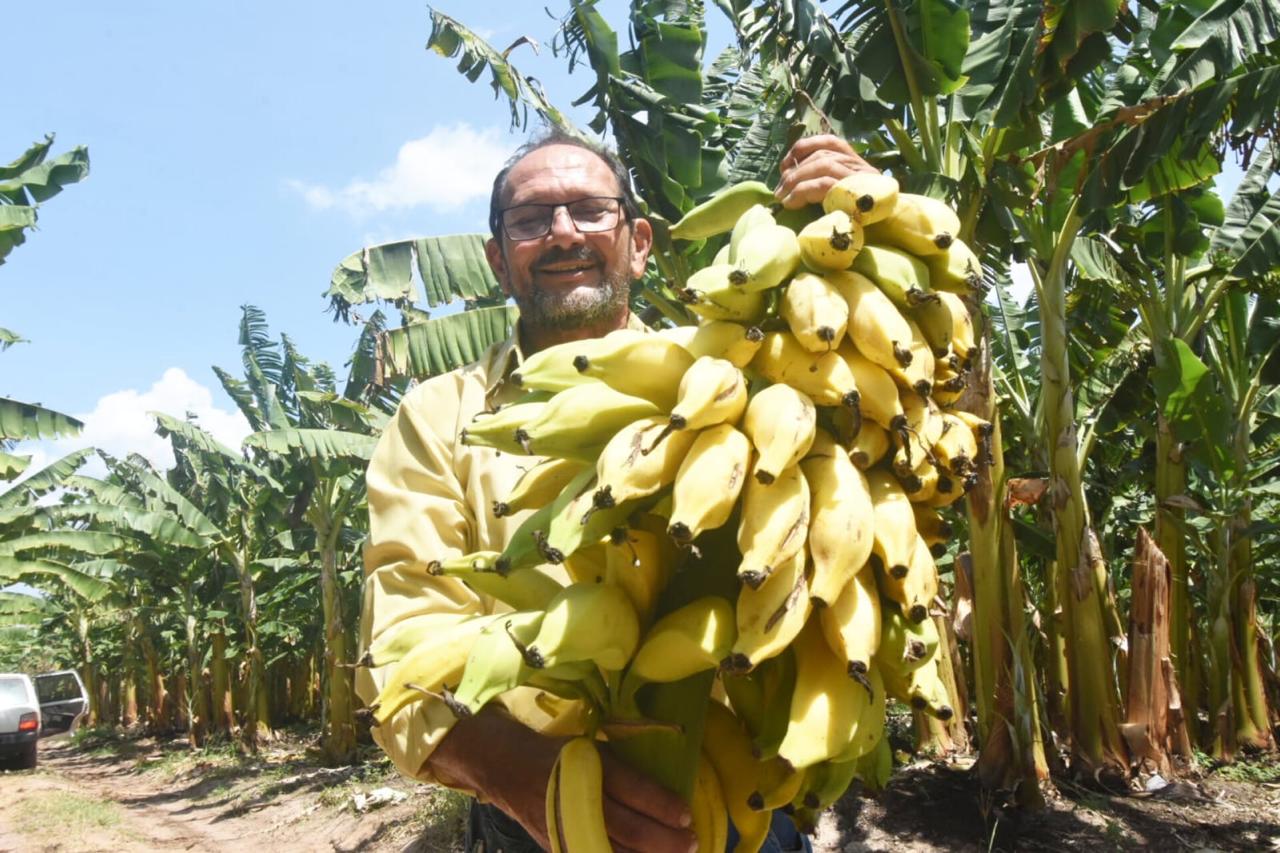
(812, 166)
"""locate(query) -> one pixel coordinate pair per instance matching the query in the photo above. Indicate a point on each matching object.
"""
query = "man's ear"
(497, 263)
(641, 243)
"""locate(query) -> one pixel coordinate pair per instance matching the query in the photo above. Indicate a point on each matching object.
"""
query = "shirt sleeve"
(418, 512)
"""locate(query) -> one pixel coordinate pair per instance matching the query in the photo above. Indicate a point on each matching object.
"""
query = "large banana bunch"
(760, 495)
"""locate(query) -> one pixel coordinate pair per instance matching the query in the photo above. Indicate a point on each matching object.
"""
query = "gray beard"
(578, 309)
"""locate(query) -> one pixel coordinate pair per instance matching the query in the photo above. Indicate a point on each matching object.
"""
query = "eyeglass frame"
(622, 214)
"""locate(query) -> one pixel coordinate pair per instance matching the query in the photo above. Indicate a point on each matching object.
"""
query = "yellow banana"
(963, 339)
(637, 461)
(754, 217)
(957, 447)
(918, 375)
(826, 379)
(586, 622)
(815, 311)
(895, 523)
(781, 422)
(840, 534)
(876, 328)
(437, 659)
(923, 429)
(539, 485)
(869, 445)
(826, 704)
(877, 392)
(575, 799)
(527, 545)
(983, 431)
(900, 276)
(718, 214)
(936, 530)
(712, 294)
(629, 361)
(957, 270)
(915, 588)
(712, 392)
(776, 677)
(768, 255)
(770, 616)
(710, 823)
(578, 421)
(871, 723)
(733, 342)
(689, 639)
(919, 224)
(742, 776)
(933, 318)
(588, 564)
(640, 559)
(521, 589)
(709, 481)
(830, 242)
(722, 255)
(851, 624)
(865, 196)
(948, 383)
(774, 524)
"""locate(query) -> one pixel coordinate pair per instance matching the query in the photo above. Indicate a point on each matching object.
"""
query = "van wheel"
(28, 758)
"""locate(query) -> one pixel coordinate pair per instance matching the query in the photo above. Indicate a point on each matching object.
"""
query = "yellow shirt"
(430, 498)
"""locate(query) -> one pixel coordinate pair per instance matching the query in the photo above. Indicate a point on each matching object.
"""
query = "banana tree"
(317, 443)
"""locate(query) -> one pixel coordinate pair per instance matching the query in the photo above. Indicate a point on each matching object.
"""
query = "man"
(567, 242)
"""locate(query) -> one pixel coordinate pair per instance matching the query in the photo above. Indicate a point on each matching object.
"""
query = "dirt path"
(149, 795)
(143, 800)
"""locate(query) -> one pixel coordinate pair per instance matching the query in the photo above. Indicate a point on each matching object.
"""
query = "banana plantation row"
(1133, 386)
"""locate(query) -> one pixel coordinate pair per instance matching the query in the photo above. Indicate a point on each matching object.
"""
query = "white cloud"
(445, 169)
(119, 423)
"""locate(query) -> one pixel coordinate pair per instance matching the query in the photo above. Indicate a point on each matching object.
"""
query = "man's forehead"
(553, 168)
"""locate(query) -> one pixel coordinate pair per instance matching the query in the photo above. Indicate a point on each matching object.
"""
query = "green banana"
(905, 643)
(768, 255)
(577, 422)
(718, 214)
(628, 360)
(900, 276)
(711, 294)
(586, 622)
(437, 659)
(497, 429)
(495, 663)
(538, 485)
(521, 589)
(754, 217)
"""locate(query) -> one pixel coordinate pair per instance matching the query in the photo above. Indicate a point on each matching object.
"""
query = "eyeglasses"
(589, 215)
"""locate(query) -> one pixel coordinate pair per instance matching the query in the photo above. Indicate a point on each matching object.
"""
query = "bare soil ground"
(151, 794)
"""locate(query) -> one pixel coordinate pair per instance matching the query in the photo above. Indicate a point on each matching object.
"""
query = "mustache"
(559, 255)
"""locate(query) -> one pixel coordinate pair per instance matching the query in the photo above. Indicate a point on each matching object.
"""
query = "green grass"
(1253, 770)
(440, 818)
(64, 812)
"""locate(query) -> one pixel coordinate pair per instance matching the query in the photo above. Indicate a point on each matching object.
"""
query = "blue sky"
(239, 151)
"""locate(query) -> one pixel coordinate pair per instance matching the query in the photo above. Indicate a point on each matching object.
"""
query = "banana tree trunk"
(1093, 705)
(1011, 745)
(89, 670)
(222, 715)
(198, 703)
(339, 737)
(154, 702)
(1171, 483)
(1253, 716)
(257, 723)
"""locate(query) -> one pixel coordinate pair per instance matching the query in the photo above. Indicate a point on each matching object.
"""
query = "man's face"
(567, 279)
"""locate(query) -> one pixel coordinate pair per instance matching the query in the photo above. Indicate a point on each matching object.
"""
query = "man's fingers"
(637, 791)
(808, 192)
(822, 142)
(630, 829)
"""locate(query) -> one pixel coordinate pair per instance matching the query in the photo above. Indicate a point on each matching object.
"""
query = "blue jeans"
(489, 830)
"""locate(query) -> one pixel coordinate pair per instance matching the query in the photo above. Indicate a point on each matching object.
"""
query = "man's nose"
(563, 230)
